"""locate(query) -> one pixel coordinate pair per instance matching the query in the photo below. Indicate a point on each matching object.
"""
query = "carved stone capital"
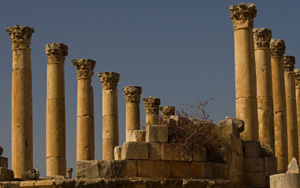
(242, 15)
(132, 94)
(262, 37)
(297, 78)
(167, 111)
(56, 52)
(288, 63)
(109, 80)
(277, 47)
(151, 105)
(85, 68)
(20, 36)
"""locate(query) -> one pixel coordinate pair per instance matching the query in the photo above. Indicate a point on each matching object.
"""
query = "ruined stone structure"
(85, 109)
(55, 112)
(21, 106)
(236, 152)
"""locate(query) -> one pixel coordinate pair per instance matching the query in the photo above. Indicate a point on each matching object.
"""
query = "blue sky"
(175, 50)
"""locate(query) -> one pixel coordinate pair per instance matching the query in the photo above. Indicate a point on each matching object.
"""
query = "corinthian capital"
(262, 37)
(288, 63)
(277, 47)
(297, 78)
(242, 15)
(20, 36)
(151, 105)
(109, 80)
(85, 68)
(132, 94)
(167, 111)
(56, 52)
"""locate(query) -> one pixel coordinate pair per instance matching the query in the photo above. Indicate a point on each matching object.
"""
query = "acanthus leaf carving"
(109, 80)
(20, 36)
(151, 105)
(85, 68)
(262, 37)
(132, 94)
(243, 15)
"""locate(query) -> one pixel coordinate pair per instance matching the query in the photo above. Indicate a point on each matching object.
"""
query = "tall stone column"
(55, 112)
(297, 87)
(291, 109)
(21, 108)
(152, 110)
(279, 106)
(85, 109)
(262, 38)
(242, 16)
(132, 98)
(110, 125)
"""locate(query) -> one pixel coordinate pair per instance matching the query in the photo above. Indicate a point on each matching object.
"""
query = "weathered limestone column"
(85, 109)
(132, 97)
(291, 109)
(110, 126)
(55, 113)
(242, 16)
(152, 110)
(297, 87)
(167, 111)
(21, 108)
(262, 38)
(281, 148)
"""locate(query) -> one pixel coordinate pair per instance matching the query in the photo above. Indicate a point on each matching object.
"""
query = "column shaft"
(55, 112)
(291, 110)
(110, 126)
(279, 105)
(297, 87)
(262, 38)
(21, 123)
(245, 77)
(151, 110)
(85, 110)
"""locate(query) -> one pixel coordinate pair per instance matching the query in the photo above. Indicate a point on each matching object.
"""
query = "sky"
(178, 51)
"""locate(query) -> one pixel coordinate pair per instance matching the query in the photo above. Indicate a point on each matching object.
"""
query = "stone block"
(199, 153)
(236, 144)
(134, 150)
(154, 169)
(117, 152)
(157, 133)
(293, 166)
(236, 160)
(254, 164)
(255, 179)
(252, 149)
(6, 174)
(270, 166)
(154, 151)
(170, 152)
(30, 175)
(138, 136)
(180, 169)
(236, 176)
(3, 162)
(208, 170)
(231, 126)
(285, 180)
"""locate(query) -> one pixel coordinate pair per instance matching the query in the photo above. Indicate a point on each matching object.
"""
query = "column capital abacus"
(132, 94)
(167, 111)
(288, 63)
(85, 68)
(277, 47)
(262, 37)
(109, 80)
(242, 15)
(297, 78)
(151, 105)
(56, 52)
(20, 36)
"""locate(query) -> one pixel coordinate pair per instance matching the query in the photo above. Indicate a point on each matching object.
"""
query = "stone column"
(281, 148)
(262, 38)
(297, 87)
(291, 109)
(55, 112)
(151, 109)
(242, 16)
(132, 98)
(21, 108)
(85, 109)
(110, 126)
(166, 112)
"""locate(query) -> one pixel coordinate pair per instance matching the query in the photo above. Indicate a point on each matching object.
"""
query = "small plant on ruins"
(192, 128)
